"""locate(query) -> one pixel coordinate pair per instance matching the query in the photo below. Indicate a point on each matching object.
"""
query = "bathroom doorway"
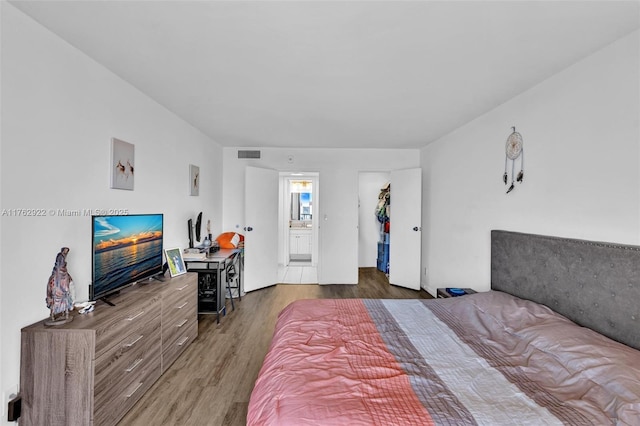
(298, 228)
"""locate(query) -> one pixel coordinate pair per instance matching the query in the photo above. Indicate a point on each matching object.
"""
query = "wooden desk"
(211, 296)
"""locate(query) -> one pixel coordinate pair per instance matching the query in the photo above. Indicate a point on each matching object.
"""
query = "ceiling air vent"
(248, 154)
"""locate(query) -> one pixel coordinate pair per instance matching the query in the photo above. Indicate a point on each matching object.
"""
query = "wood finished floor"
(211, 383)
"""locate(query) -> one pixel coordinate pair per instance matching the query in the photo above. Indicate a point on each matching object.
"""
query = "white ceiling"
(373, 74)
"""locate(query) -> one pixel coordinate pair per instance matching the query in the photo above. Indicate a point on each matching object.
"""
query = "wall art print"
(194, 179)
(122, 164)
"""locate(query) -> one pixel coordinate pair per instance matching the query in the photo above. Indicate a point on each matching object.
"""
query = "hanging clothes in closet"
(383, 215)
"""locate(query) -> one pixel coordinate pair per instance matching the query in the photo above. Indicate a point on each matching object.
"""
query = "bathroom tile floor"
(298, 273)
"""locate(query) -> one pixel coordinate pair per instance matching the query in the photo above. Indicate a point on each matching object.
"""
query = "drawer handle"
(134, 365)
(183, 341)
(182, 323)
(135, 316)
(183, 287)
(128, 345)
(183, 305)
(134, 391)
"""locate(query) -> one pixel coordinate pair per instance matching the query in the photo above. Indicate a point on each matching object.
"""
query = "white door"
(405, 234)
(261, 228)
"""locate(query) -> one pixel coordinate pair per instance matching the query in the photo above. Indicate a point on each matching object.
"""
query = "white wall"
(581, 141)
(338, 199)
(370, 184)
(60, 110)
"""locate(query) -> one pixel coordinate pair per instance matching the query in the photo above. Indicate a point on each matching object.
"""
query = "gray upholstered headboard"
(595, 284)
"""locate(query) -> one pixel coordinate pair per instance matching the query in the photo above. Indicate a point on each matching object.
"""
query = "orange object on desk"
(229, 240)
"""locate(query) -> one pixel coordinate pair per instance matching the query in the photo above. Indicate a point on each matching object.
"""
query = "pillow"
(229, 240)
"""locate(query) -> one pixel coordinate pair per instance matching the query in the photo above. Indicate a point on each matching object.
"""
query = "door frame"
(366, 214)
(409, 253)
(285, 208)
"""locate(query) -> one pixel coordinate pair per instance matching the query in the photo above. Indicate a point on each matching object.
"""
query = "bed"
(554, 342)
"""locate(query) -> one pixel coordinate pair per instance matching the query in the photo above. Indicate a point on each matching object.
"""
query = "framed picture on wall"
(194, 179)
(122, 164)
(175, 261)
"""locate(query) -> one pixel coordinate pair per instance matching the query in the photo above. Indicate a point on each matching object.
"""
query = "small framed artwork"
(175, 261)
(122, 164)
(194, 179)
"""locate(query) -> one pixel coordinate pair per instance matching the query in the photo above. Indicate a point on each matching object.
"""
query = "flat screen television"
(126, 249)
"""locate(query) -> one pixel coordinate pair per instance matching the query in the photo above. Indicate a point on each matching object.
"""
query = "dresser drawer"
(179, 319)
(126, 372)
(174, 299)
(119, 400)
(180, 289)
(177, 314)
(116, 368)
(172, 350)
(124, 318)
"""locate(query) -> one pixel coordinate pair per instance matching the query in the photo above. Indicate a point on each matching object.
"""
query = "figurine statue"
(59, 298)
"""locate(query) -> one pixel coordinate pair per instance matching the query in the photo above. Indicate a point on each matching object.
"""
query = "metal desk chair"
(232, 276)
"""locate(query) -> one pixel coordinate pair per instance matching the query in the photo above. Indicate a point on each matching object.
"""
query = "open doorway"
(298, 242)
(370, 231)
(396, 246)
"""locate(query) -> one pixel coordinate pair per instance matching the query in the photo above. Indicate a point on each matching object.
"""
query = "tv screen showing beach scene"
(126, 249)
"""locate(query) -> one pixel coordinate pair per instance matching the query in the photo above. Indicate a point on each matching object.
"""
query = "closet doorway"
(370, 230)
(298, 228)
(398, 246)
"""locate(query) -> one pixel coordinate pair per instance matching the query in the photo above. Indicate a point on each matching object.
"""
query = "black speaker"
(190, 232)
(198, 226)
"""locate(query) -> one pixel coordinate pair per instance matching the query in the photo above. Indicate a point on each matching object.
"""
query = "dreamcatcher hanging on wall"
(514, 150)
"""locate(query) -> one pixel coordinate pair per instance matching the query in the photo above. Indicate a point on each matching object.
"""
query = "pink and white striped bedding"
(488, 358)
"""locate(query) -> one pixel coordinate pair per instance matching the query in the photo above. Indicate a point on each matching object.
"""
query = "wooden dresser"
(92, 370)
